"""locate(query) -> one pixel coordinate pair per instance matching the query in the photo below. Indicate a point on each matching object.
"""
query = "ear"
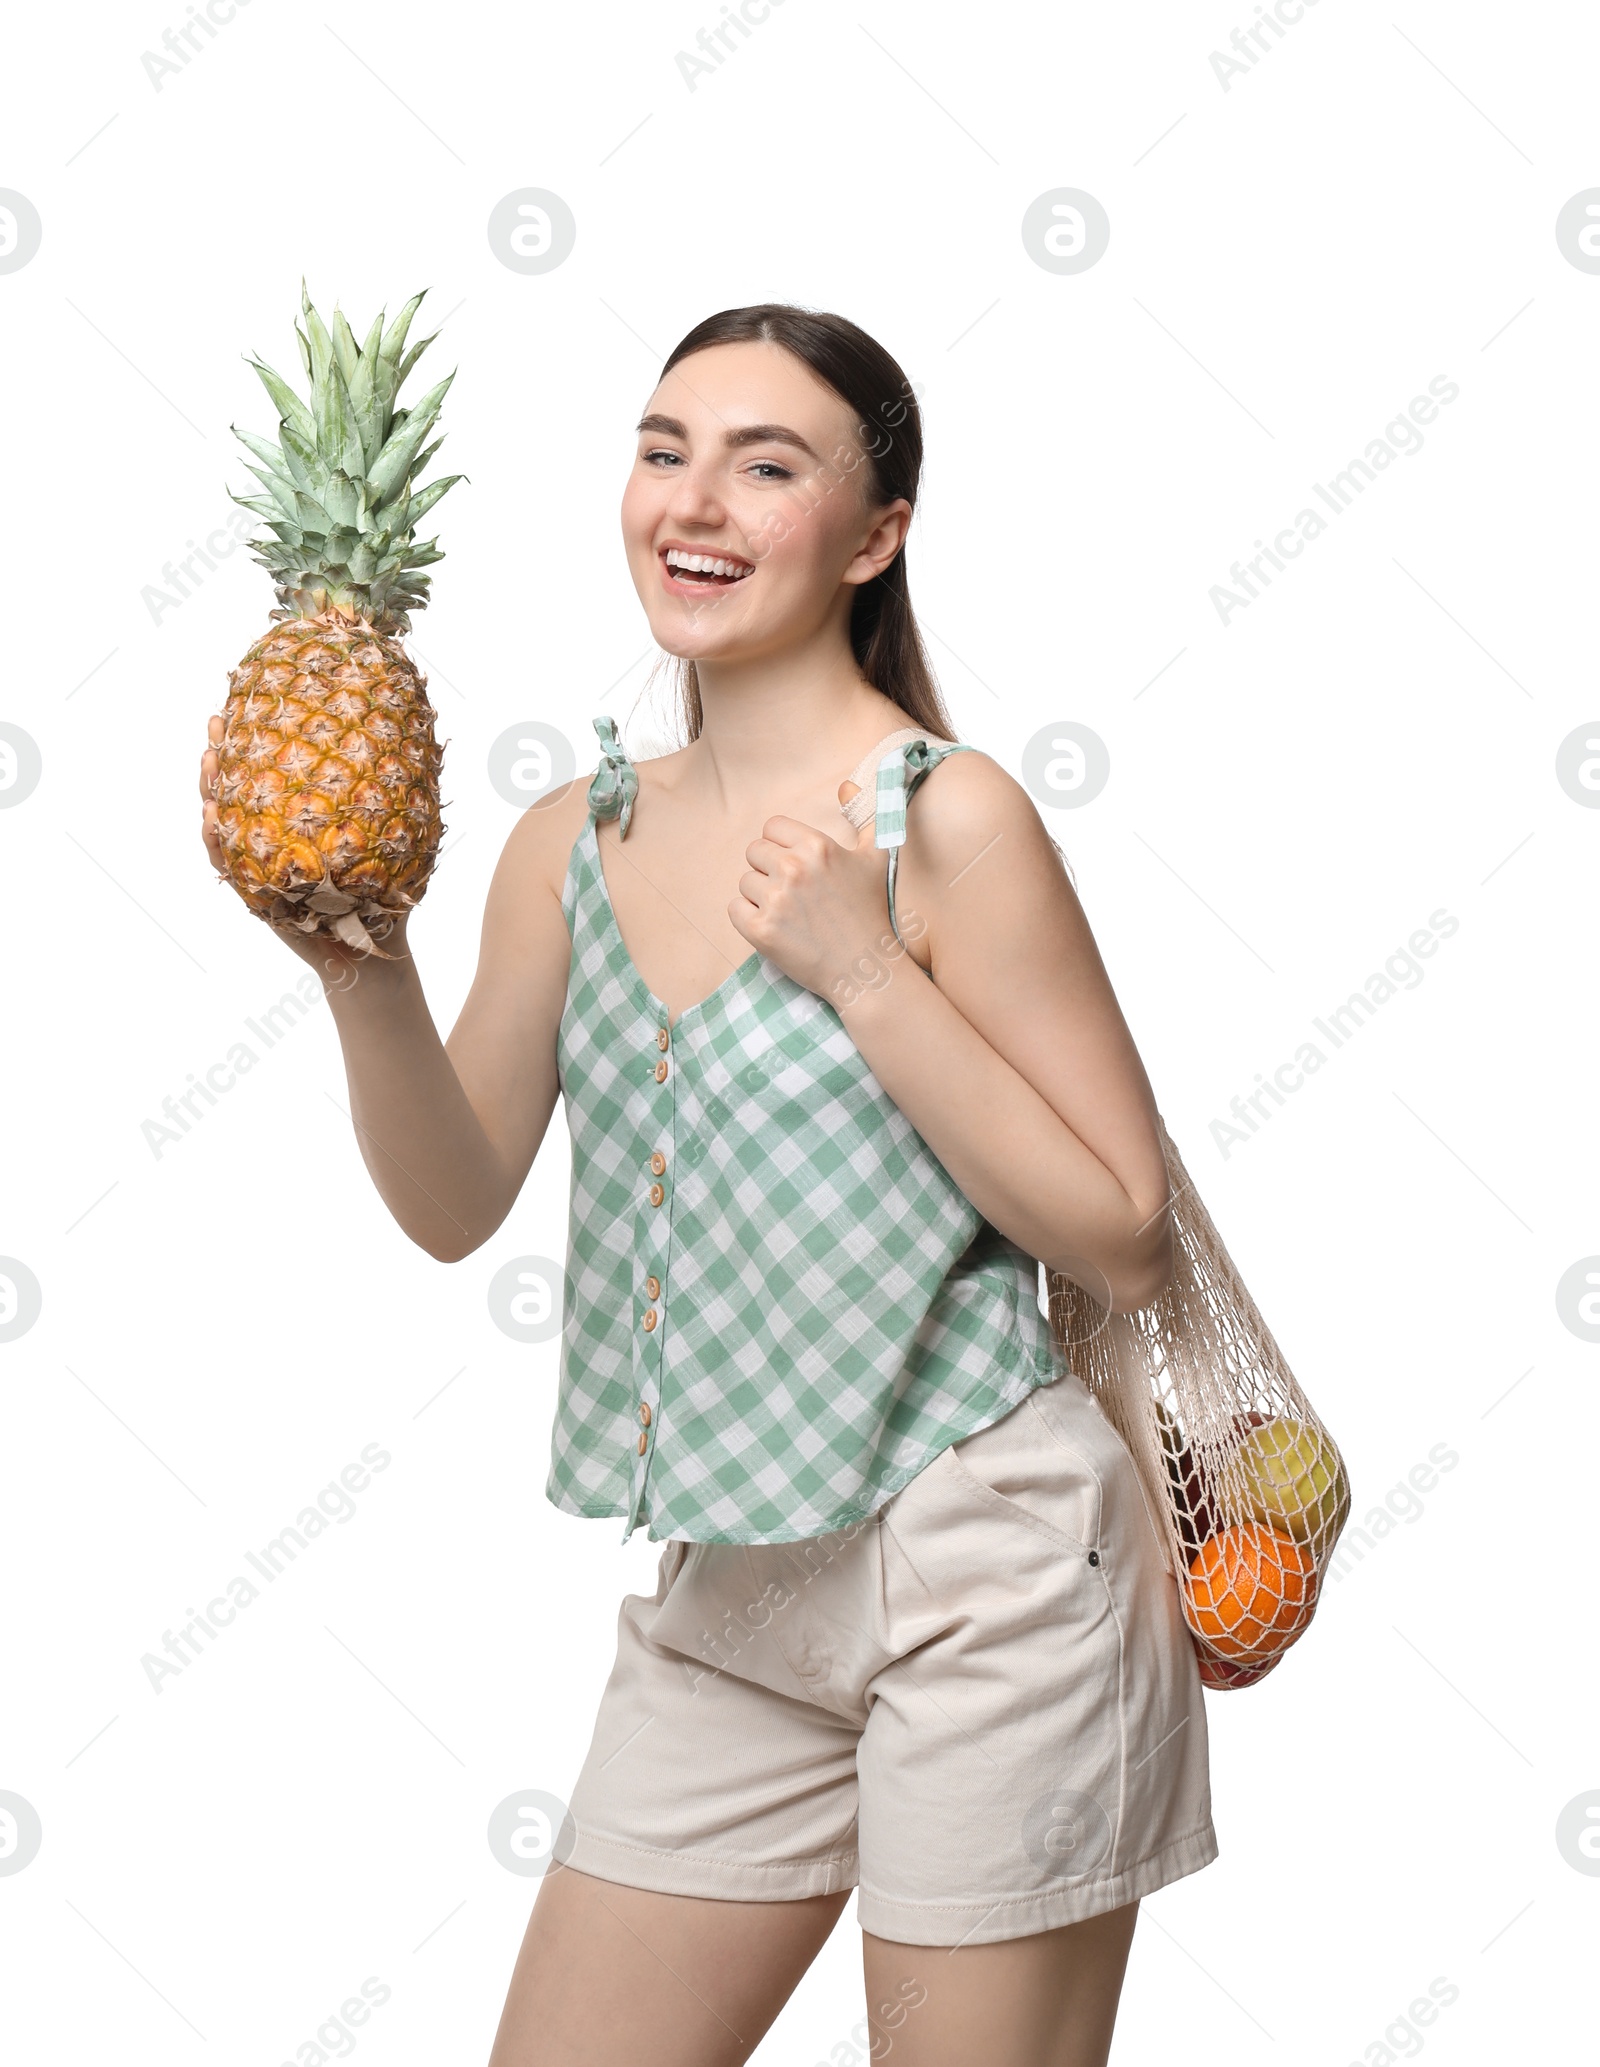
(881, 542)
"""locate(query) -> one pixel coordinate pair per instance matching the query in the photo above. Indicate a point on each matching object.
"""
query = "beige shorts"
(980, 1706)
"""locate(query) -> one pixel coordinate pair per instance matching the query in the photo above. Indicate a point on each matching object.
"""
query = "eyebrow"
(752, 434)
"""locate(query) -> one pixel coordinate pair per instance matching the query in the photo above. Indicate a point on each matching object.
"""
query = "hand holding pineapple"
(320, 785)
(323, 765)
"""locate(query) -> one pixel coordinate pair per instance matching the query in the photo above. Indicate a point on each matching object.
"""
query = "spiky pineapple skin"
(328, 779)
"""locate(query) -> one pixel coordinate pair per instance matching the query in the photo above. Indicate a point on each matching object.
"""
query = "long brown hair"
(883, 628)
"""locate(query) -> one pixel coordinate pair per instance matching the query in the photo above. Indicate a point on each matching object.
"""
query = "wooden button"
(644, 1444)
(652, 1287)
(662, 1037)
(658, 1162)
(661, 1072)
(657, 1194)
(649, 1319)
(644, 1413)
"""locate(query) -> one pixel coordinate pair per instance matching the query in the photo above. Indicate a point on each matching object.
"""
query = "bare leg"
(1047, 2000)
(611, 1975)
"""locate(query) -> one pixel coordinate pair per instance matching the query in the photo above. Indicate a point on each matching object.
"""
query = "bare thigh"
(609, 1975)
(1047, 2000)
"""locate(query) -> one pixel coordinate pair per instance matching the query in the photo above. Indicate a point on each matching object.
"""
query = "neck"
(804, 716)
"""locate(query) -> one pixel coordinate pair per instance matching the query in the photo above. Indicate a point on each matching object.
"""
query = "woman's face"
(746, 458)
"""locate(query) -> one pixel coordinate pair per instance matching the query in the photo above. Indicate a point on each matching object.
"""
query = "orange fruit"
(1250, 1592)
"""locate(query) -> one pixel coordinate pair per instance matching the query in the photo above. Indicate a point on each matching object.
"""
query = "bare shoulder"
(538, 850)
(539, 846)
(975, 841)
(524, 910)
(969, 787)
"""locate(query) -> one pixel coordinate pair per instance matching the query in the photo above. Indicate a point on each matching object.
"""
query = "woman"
(912, 1629)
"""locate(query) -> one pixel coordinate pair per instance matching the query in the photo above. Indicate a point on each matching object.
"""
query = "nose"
(695, 499)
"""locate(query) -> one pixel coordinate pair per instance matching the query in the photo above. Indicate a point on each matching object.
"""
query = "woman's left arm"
(996, 1032)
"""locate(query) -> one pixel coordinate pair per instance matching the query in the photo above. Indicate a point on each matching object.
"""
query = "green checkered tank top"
(778, 1306)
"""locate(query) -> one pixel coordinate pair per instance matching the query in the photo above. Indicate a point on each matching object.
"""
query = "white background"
(1292, 794)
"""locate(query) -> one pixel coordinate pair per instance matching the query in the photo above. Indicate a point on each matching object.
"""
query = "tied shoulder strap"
(616, 780)
(864, 775)
(615, 786)
(899, 772)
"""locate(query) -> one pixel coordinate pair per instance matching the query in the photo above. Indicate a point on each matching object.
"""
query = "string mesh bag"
(1248, 1487)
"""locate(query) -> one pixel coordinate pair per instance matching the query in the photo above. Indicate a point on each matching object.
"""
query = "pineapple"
(328, 771)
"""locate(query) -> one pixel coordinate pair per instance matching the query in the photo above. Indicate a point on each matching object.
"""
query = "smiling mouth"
(704, 570)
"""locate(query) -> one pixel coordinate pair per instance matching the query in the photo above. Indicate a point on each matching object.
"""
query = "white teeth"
(703, 563)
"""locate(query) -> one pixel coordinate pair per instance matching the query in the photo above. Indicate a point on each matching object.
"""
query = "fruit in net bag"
(1224, 1672)
(328, 770)
(1189, 1501)
(1194, 1382)
(1250, 1592)
(1293, 1480)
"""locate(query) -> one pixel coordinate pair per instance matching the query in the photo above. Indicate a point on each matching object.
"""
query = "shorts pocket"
(1017, 1467)
(1076, 1418)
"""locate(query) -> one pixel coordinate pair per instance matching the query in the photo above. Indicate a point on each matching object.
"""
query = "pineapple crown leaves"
(341, 501)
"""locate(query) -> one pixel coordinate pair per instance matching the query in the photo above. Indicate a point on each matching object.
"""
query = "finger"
(854, 789)
(791, 836)
(790, 832)
(210, 762)
(211, 833)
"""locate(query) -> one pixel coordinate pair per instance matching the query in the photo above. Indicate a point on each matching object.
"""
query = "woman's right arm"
(449, 1130)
